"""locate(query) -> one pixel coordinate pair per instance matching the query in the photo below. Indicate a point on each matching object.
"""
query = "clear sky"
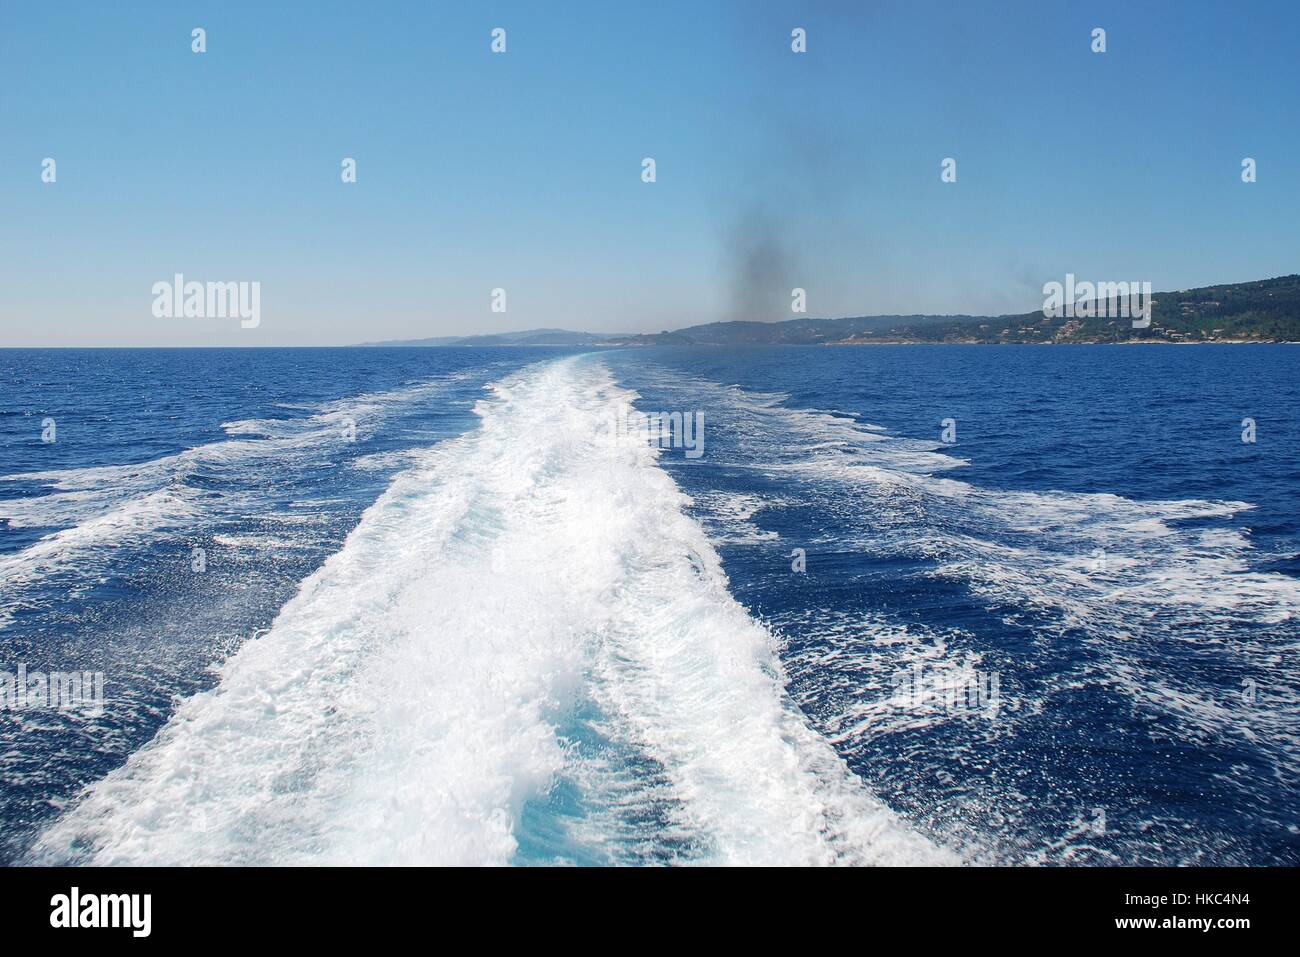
(522, 170)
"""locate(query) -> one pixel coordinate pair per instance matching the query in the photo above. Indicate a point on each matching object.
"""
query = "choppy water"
(491, 630)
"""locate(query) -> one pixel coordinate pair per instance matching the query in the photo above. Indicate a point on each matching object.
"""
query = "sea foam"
(422, 690)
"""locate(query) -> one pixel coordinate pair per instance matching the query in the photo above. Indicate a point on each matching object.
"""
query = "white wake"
(410, 702)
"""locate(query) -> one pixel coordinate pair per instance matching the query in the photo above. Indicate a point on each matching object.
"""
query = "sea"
(891, 605)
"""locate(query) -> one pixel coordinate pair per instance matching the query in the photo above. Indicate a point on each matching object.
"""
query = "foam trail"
(416, 694)
(96, 511)
(1161, 614)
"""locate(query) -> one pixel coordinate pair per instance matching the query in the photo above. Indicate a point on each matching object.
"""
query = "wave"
(1164, 606)
(526, 613)
(97, 510)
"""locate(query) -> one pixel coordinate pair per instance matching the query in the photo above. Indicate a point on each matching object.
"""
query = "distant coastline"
(1121, 342)
(1264, 311)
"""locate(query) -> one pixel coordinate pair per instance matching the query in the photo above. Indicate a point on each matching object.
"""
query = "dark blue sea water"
(906, 604)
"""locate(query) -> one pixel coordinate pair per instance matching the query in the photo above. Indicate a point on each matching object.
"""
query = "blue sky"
(522, 170)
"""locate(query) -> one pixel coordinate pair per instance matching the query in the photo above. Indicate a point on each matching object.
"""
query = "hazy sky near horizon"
(522, 170)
